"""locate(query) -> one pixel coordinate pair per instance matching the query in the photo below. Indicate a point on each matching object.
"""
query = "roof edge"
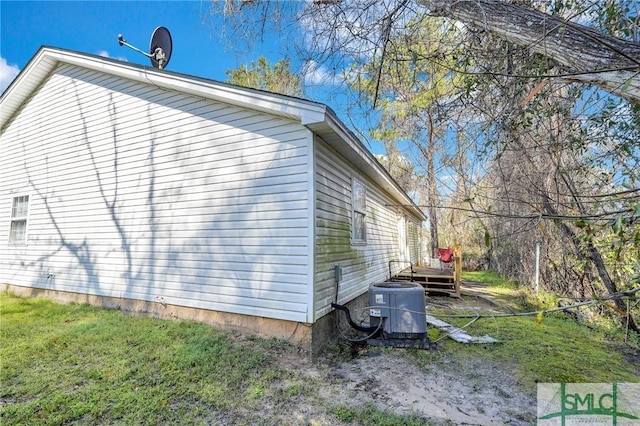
(385, 179)
(48, 59)
(314, 115)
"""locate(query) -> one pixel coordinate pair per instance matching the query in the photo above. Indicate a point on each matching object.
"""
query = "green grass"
(557, 349)
(370, 415)
(77, 364)
(489, 278)
(80, 364)
(497, 288)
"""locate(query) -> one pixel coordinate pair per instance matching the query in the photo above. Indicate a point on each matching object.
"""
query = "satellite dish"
(160, 47)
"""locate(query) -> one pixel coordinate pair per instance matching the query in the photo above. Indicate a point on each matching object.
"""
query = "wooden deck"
(435, 280)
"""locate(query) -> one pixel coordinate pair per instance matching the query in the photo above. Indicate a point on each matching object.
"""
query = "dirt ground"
(479, 395)
(447, 393)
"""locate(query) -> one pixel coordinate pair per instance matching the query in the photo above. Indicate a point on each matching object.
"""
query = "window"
(19, 209)
(359, 205)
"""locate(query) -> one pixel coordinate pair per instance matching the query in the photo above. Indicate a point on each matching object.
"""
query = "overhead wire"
(587, 217)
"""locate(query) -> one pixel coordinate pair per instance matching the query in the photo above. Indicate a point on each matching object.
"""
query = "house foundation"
(311, 339)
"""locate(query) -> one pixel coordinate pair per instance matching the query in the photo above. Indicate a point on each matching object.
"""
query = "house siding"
(414, 237)
(362, 264)
(150, 194)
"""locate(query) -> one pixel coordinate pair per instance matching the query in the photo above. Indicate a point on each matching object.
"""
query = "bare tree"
(357, 29)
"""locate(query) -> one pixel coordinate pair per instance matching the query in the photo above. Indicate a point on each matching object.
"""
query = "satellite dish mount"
(160, 47)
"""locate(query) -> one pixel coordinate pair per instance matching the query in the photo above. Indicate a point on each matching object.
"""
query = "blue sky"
(93, 27)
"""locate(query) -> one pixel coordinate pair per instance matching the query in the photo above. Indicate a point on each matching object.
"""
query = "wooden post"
(457, 268)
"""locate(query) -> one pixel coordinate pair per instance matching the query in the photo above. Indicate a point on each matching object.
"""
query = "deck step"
(434, 281)
(438, 285)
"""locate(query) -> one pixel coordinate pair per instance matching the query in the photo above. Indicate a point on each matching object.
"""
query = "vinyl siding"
(414, 235)
(362, 265)
(143, 193)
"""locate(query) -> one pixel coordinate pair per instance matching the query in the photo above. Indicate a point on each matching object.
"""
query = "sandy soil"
(473, 394)
(481, 394)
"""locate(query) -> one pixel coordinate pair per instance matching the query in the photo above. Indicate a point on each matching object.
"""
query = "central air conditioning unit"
(398, 309)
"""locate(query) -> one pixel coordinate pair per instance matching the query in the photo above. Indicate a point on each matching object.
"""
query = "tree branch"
(571, 45)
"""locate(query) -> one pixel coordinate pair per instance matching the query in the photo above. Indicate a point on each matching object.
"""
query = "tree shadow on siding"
(153, 267)
(81, 247)
(81, 251)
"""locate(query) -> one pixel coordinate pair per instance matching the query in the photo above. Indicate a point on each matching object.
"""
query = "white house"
(127, 186)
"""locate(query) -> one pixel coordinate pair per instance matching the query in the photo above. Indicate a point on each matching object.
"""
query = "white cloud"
(315, 73)
(106, 54)
(7, 74)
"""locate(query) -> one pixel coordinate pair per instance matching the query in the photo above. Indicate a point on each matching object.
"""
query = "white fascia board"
(47, 59)
(24, 84)
(303, 111)
(297, 109)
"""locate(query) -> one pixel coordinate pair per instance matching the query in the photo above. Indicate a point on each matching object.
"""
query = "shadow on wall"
(143, 246)
(88, 247)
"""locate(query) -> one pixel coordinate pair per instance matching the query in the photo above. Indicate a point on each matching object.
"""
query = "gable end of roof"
(319, 118)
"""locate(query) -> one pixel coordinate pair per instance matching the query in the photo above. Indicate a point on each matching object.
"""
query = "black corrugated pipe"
(367, 329)
(334, 305)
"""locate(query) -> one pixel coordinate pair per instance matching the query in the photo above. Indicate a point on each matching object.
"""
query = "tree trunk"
(591, 57)
(428, 153)
(432, 190)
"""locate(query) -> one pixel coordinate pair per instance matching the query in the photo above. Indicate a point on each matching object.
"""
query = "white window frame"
(358, 212)
(16, 215)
